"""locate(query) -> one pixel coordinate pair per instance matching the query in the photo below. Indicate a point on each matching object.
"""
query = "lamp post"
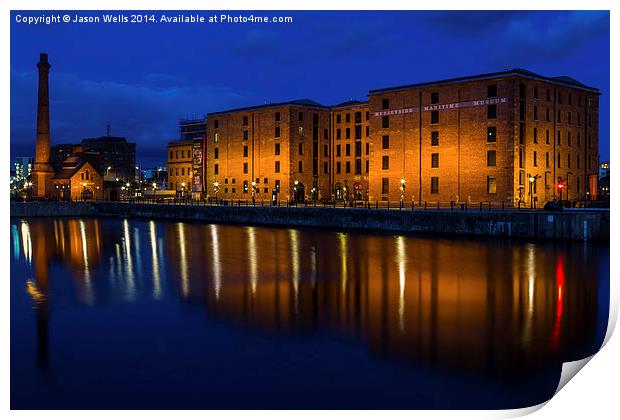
(253, 192)
(107, 171)
(216, 189)
(402, 192)
(296, 183)
(182, 189)
(532, 179)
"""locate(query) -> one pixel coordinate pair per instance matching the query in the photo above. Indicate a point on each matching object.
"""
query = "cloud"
(145, 114)
(257, 43)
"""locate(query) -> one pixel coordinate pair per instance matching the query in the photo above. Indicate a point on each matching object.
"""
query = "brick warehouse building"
(492, 137)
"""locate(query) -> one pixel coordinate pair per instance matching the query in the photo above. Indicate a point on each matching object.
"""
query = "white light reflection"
(155, 259)
(252, 258)
(343, 260)
(130, 287)
(217, 269)
(15, 237)
(531, 280)
(402, 264)
(88, 287)
(183, 262)
(26, 242)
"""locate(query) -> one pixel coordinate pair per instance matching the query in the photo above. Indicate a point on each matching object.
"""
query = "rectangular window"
(277, 132)
(386, 142)
(338, 134)
(434, 117)
(367, 131)
(535, 159)
(277, 185)
(491, 91)
(358, 167)
(547, 160)
(277, 167)
(347, 150)
(326, 134)
(367, 148)
(435, 185)
(491, 158)
(385, 121)
(325, 168)
(245, 134)
(277, 116)
(315, 119)
(300, 166)
(358, 118)
(347, 117)
(245, 120)
(338, 167)
(245, 151)
(559, 138)
(216, 153)
(385, 104)
(536, 113)
(301, 148)
(338, 118)
(358, 149)
(277, 151)
(536, 92)
(348, 167)
(568, 161)
(385, 162)
(491, 185)
(547, 137)
(435, 97)
(245, 167)
(559, 116)
(338, 150)
(491, 134)
(216, 123)
(325, 150)
(301, 116)
(385, 185)
(358, 132)
(559, 161)
(434, 138)
(491, 112)
(347, 133)
(435, 160)
(548, 115)
(216, 169)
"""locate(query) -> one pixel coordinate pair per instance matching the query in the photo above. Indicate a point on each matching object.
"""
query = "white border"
(594, 393)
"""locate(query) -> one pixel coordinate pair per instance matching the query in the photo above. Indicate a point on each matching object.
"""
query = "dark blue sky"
(143, 78)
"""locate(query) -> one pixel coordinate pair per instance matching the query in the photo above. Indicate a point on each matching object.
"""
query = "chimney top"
(43, 57)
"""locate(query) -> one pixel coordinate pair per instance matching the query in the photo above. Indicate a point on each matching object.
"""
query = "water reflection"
(493, 309)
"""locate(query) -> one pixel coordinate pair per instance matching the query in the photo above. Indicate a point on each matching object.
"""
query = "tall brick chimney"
(42, 171)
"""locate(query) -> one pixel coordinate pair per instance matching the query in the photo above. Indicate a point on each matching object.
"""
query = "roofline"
(180, 142)
(267, 106)
(357, 105)
(484, 76)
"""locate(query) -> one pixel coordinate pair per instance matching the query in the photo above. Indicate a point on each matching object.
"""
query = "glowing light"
(183, 261)
(131, 289)
(343, 262)
(294, 238)
(26, 242)
(402, 265)
(88, 287)
(217, 269)
(155, 259)
(252, 258)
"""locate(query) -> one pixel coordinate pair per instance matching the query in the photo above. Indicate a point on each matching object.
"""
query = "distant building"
(116, 154)
(59, 153)
(79, 178)
(603, 180)
(180, 163)
(157, 175)
(22, 167)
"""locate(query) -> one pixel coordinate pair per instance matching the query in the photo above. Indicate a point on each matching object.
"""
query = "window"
(491, 134)
(386, 142)
(338, 134)
(435, 185)
(385, 104)
(547, 137)
(548, 95)
(434, 138)
(277, 132)
(536, 92)
(358, 149)
(277, 167)
(170, 154)
(435, 97)
(338, 167)
(559, 138)
(338, 118)
(245, 167)
(325, 168)
(434, 117)
(245, 151)
(559, 161)
(358, 167)
(568, 139)
(277, 117)
(216, 123)
(338, 150)
(367, 115)
(347, 150)
(277, 151)
(301, 166)
(245, 120)
(535, 159)
(367, 131)
(570, 117)
(277, 185)
(325, 134)
(547, 160)
(521, 152)
(491, 158)
(367, 148)
(386, 162)
(216, 169)
(568, 161)
(535, 135)
(578, 162)
(491, 91)
(559, 116)
(358, 132)
(182, 171)
(435, 160)
(347, 132)
(325, 150)
(301, 130)
(491, 112)
(182, 154)
(348, 167)
(301, 116)
(245, 134)
(385, 122)
(535, 113)
(491, 185)
(301, 148)
(315, 119)
(216, 153)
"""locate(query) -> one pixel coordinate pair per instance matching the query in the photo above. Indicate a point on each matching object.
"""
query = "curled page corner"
(570, 369)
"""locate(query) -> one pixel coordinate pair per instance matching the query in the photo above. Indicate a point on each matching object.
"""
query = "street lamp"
(107, 171)
(216, 189)
(253, 192)
(402, 192)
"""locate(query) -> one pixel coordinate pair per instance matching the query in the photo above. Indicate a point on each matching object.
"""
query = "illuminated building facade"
(511, 137)
(22, 167)
(78, 178)
(180, 163)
